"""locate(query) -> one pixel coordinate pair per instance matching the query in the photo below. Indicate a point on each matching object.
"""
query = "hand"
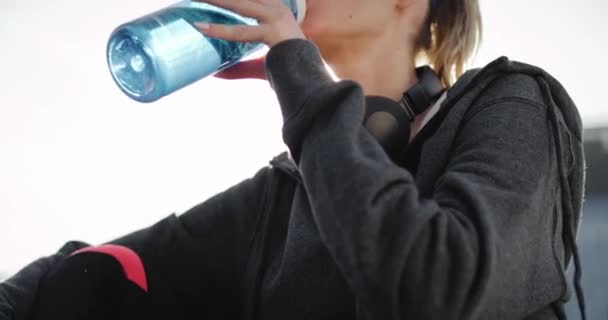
(276, 24)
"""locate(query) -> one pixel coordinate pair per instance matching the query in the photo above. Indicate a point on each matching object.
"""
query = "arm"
(18, 293)
(198, 255)
(482, 244)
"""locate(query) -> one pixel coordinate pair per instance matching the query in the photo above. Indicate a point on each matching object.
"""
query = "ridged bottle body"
(163, 52)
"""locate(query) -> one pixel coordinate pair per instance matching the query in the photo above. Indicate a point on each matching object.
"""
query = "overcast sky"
(79, 160)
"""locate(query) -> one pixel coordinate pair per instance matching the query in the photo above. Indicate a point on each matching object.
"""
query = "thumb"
(248, 69)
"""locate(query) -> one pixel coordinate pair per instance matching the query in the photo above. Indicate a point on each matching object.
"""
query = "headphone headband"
(418, 98)
(389, 121)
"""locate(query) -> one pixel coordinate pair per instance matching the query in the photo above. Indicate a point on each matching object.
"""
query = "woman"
(474, 219)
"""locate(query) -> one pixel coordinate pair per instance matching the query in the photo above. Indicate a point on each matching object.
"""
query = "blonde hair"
(450, 38)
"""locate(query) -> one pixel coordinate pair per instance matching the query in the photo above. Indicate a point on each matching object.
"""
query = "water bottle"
(162, 52)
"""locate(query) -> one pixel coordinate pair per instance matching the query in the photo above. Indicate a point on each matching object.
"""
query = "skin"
(366, 40)
(361, 40)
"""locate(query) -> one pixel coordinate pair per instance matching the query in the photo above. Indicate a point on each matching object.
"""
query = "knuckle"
(232, 32)
(241, 36)
(242, 33)
(220, 30)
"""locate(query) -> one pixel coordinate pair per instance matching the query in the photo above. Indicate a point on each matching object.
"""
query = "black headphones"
(389, 121)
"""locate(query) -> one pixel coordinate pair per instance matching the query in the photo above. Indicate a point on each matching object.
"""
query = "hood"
(564, 117)
(567, 129)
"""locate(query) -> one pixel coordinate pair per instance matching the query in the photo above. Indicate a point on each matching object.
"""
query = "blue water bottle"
(162, 52)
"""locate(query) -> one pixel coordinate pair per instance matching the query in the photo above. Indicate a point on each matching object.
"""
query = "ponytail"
(451, 37)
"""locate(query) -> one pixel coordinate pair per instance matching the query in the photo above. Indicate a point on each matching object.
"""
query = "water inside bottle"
(147, 56)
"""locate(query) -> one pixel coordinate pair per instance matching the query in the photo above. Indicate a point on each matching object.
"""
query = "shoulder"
(512, 86)
(505, 99)
(504, 80)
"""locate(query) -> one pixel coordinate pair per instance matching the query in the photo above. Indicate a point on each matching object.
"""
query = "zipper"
(283, 165)
(252, 274)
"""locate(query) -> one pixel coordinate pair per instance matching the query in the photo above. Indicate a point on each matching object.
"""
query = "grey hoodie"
(476, 219)
(482, 224)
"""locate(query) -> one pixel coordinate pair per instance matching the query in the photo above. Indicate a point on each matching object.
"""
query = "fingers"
(248, 8)
(276, 22)
(240, 33)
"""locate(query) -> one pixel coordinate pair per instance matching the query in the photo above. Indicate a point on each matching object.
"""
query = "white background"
(79, 160)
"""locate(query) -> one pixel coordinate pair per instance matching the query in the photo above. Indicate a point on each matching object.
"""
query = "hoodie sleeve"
(478, 246)
(18, 293)
(185, 259)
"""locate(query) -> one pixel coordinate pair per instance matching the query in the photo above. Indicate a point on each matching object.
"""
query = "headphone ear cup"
(389, 122)
(386, 120)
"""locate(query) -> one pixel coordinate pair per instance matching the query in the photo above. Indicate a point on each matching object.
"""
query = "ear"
(403, 5)
(417, 7)
(413, 13)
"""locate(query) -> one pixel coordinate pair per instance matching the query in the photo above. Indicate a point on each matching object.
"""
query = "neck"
(378, 65)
